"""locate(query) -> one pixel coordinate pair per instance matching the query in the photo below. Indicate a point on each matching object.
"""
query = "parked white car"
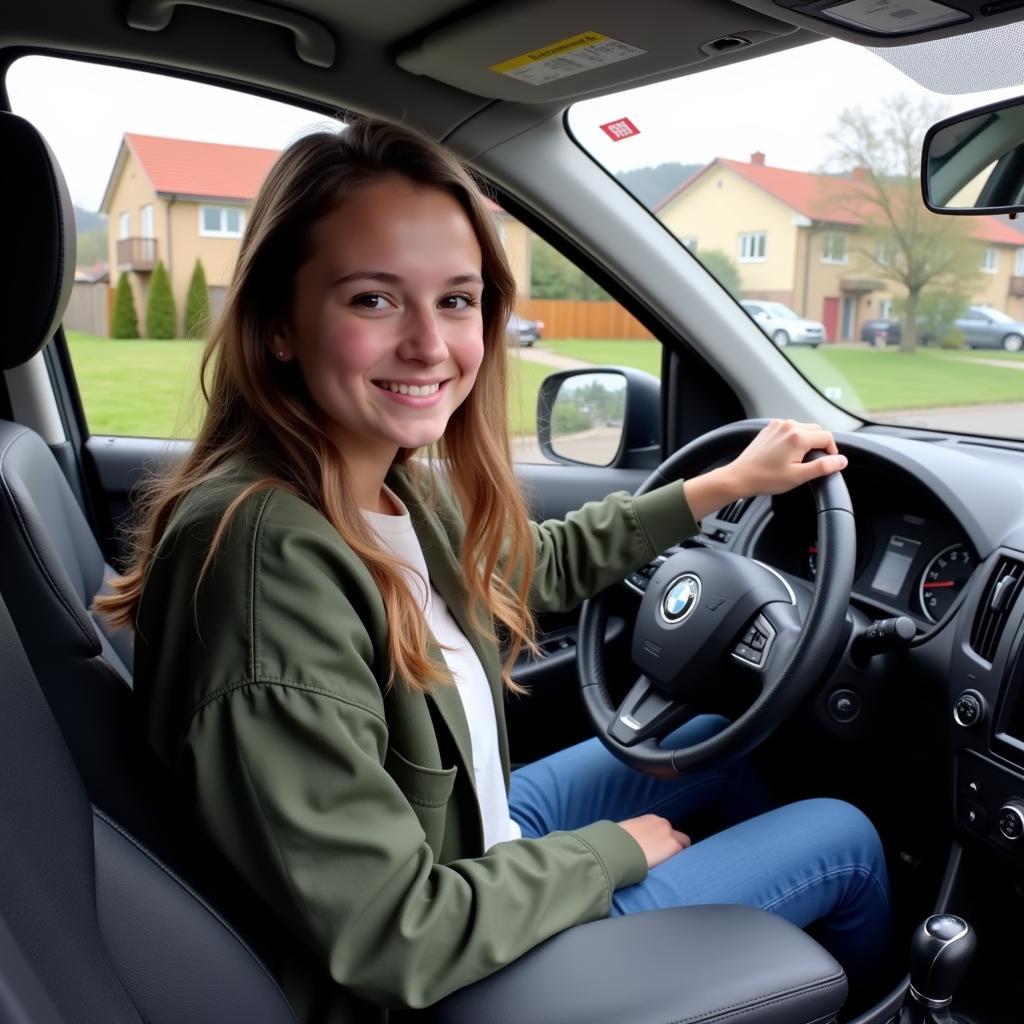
(784, 326)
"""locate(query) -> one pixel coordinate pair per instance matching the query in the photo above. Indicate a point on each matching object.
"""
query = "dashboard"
(940, 538)
(913, 556)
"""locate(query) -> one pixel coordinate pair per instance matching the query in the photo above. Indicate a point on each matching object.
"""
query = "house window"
(753, 246)
(835, 249)
(1019, 270)
(690, 243)
(990, 261)
(885, 309)
(885, 254)
(147, 221)
(221, 221)
(124, 225)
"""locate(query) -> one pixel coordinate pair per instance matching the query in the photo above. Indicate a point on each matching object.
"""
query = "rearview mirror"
(973, 163)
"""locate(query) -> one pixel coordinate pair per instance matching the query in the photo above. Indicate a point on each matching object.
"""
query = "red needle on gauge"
(940, 583)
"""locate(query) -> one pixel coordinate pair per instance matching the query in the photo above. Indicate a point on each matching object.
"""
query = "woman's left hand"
(772, 463)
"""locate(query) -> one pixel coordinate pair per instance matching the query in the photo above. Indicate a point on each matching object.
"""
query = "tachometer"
(942, 580)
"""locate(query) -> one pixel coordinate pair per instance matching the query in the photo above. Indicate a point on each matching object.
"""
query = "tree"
(723, 269)
(161, 317)
(901, 241)
(124, 322)
(197, 304)
(936, 317)
(552, 276)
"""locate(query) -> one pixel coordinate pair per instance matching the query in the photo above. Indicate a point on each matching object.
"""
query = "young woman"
(316, 611)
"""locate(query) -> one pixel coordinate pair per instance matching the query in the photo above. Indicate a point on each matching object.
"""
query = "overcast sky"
(784, 105)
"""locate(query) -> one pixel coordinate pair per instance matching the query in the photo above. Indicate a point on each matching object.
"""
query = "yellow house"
(178, 201)
(792, 242)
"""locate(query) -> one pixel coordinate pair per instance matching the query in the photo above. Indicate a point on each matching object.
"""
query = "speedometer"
(944, 578)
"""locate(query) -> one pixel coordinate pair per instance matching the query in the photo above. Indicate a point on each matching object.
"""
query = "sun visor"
(543, 51)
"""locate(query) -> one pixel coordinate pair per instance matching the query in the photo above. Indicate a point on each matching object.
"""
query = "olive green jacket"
(347, 804)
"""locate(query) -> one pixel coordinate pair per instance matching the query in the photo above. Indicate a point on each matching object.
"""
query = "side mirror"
(600, 417)
(973, 163)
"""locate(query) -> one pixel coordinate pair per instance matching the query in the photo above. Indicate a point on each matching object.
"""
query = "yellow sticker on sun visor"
(567, 57)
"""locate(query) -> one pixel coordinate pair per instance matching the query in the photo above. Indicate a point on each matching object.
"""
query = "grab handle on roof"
(314, 44)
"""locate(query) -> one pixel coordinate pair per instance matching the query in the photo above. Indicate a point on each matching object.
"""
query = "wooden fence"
(88, 309)
(564, 318)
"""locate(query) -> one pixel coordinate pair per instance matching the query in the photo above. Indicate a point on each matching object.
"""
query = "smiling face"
(386, 323)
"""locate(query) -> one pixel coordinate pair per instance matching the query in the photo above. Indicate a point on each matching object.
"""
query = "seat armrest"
(683, 966)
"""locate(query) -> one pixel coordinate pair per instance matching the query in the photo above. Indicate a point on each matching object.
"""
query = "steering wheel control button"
(969, 709)
(1011, 819)
(844, 705)
(681, 599)
(638, 580)
(753, 648)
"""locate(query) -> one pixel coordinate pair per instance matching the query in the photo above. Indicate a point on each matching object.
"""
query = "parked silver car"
(986, 327)
(784, 326)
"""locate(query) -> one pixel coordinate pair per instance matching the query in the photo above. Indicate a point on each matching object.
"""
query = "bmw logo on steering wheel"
(680, 599)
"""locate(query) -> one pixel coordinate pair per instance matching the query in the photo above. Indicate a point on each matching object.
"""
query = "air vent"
(733, 513)
(996, 603)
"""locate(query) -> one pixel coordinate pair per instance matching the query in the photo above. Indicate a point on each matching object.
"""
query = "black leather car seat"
(51, 566)
(106, 933)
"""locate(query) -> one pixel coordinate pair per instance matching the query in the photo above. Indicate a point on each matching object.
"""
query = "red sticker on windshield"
(619, 130)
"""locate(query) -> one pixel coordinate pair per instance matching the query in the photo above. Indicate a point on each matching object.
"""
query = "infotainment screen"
(895, 564)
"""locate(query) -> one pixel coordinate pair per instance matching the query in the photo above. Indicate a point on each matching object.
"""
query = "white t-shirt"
(396, 534)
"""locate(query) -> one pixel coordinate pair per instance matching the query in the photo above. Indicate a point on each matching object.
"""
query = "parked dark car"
(522, 331)
(881, 332)
(985, 327)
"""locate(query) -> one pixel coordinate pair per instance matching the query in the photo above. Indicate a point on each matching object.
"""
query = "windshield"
(794, 178)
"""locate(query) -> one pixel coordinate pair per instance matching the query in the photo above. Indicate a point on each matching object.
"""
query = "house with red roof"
(795, 237)
(180, 201)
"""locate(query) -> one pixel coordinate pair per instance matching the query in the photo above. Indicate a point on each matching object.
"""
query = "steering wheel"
(703, 606)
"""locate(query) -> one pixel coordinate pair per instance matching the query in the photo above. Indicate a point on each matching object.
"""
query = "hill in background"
(651, 185)
(91, 229)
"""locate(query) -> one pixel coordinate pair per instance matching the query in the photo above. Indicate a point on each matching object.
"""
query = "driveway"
(556, 362)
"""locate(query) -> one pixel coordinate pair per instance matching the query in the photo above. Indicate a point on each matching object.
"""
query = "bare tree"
(900, 240)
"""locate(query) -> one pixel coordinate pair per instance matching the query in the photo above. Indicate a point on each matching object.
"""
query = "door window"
(140, 385)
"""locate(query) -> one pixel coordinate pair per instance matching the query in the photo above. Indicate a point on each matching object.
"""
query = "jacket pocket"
(428, 791)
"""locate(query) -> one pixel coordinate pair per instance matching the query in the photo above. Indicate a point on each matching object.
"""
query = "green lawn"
(149, 388)
(138, 388)
(879, 379)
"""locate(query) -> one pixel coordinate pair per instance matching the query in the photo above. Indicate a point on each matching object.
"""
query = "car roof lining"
(450, 45)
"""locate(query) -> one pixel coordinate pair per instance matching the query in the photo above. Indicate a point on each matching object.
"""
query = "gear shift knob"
(940, 953)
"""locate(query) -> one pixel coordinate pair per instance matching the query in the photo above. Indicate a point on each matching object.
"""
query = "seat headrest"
(35, 289)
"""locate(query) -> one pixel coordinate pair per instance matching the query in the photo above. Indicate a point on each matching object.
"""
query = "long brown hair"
(257, 406)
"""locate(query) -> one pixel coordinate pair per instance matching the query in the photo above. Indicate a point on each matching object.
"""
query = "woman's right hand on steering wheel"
(771, 463)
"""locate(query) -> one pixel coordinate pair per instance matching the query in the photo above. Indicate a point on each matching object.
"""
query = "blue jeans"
(813, 861)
